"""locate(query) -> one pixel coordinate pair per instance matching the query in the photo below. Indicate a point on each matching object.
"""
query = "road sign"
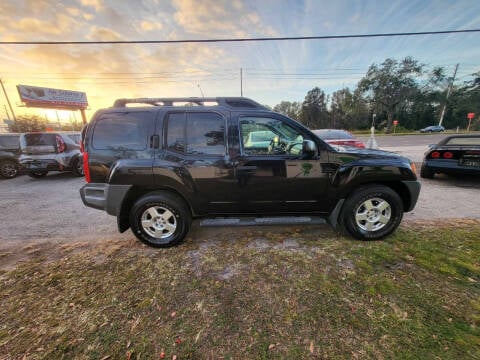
(470, 115)
(395, 122)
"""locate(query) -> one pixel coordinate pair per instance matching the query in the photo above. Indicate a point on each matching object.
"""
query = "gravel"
(50, 209)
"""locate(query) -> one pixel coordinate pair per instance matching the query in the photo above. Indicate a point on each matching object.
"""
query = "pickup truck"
(159, 166)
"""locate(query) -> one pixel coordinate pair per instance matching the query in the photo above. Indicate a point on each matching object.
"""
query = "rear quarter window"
(9, 141)
(122, 131)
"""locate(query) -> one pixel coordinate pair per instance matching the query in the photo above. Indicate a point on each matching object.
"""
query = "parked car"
(456, 154)
(432, 129)
(9, 152)
(338, 137)
(50, 151)
(158, 167)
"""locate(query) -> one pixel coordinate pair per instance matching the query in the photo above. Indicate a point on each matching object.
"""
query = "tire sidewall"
(6, 162)
(352, 204)
(177, 209)
(75, 163)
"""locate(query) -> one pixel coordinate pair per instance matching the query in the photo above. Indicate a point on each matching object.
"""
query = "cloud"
(210, 19)
(98, 33)
(96, 4)
(147, 26)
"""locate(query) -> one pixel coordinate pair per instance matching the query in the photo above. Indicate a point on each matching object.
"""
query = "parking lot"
(50, 209)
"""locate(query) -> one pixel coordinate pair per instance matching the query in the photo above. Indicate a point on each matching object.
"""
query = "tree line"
(402, 90)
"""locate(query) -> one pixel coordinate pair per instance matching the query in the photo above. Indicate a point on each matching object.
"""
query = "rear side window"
(196, 133)
(122, 131)
(9, 142)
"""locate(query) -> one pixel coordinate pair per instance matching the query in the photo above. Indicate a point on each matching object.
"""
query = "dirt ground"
(50, 209)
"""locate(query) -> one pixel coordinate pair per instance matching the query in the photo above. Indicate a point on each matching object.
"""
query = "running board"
(280, 220)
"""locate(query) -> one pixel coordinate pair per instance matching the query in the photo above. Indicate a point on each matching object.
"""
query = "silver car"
(42, 152)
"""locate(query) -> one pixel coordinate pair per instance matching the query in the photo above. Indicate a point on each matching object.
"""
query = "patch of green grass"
(415, 295)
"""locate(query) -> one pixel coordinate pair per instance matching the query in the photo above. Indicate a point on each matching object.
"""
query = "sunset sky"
(273, 71)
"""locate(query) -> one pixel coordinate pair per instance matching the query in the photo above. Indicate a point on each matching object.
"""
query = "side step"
(249, 221)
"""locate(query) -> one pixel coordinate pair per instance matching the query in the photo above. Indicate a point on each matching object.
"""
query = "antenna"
(198, 84)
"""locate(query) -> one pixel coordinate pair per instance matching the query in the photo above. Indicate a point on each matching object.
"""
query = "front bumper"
(413, 187)
(105, 197)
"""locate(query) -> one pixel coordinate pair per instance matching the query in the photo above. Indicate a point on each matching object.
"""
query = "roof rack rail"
(232, 102)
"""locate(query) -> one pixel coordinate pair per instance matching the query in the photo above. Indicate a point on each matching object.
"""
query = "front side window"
(269, 136)
(122, 131)
(196, 133)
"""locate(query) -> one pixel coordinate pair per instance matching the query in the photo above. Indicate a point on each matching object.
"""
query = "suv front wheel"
(372, 212)
(160, 219)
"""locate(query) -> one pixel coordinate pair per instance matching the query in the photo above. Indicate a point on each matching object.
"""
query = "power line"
(322, 37)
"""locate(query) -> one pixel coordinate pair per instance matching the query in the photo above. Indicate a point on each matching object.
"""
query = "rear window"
(9, 142)
(122, 131)
(38, 139)
(463, 141)
(75, 138)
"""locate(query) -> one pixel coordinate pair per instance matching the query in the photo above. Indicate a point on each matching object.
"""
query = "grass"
(293, 293)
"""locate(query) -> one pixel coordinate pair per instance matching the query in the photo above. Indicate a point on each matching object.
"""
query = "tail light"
(447, 155)
(86, 169)
(435, 155)
(360, 144)
(60, 144)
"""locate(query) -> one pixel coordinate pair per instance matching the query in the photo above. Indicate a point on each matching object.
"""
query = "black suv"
(157, 167)
(9, 152)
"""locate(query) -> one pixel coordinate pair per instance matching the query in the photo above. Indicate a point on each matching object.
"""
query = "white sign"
(46, 97)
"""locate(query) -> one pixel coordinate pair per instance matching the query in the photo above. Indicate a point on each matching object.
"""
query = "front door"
(272, 173)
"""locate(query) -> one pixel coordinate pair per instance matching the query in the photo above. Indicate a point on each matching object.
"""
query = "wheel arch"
(135, 193)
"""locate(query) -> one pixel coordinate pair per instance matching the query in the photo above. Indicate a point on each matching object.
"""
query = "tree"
(348, 110)
(389, 84)
(28, 123)
(314, 113)
(290, 109)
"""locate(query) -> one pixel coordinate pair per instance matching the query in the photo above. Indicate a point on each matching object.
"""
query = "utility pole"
(241, 82)
(8, 101)
(448, 94)
(6, 112)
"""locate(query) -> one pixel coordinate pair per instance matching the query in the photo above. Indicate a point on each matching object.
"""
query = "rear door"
(192, 160)
(122, 138)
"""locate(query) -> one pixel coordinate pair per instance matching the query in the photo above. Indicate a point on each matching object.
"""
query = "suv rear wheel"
(372, 212)
(160, 219)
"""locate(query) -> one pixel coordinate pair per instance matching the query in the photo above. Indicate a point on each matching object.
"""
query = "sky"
(272, 71)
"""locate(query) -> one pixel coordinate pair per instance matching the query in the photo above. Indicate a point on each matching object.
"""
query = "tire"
(8, 169)
(77, 166)
(426, 172)
(160, 219)
(384, 216)
(37, 174)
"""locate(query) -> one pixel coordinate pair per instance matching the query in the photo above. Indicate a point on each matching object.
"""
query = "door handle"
(154, 141)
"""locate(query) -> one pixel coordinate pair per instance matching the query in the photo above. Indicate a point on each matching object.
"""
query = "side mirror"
(309, 147)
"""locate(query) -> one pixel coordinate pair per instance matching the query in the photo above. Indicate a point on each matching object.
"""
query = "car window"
(122, 131)
(9, 142)
(463, 141)
(38, 139)
(196, 133)
(268, 136)
(205, 134)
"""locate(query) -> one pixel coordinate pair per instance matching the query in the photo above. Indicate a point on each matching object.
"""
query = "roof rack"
(232, 102)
